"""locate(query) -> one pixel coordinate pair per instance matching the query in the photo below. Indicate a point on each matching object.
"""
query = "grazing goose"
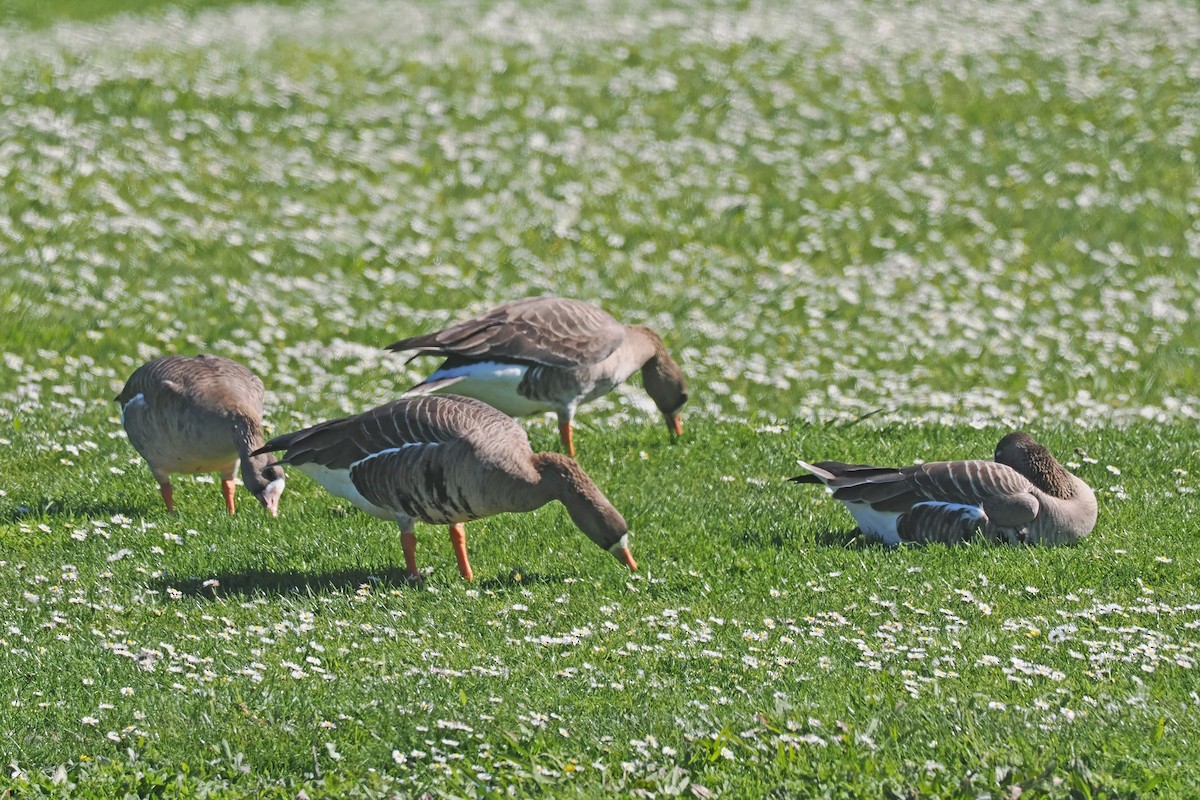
(548, 354)
(446, 460)
(1023, 497)
(200, 414)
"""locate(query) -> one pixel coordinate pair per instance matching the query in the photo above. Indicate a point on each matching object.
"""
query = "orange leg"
(168, 496)
(228, 485)
(458, 539)
(408, 541)
(568, 440)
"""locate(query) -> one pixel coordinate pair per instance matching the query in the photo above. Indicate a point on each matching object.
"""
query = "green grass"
(859, 242)
(755, 618)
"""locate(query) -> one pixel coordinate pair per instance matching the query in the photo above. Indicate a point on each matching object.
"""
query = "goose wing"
(420, 480)
(948, 523)
(407, 423)
(1005, 495)
(551, 331)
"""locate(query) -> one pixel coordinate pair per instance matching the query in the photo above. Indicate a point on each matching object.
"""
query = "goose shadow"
(287, 582)
(69, 507)
(846, 539)
(517, 578)
(294, 582)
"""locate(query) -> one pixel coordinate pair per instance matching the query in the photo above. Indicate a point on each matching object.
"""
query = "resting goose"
(446, 460)
(1023, 497)
(549, 354)
(200, 414)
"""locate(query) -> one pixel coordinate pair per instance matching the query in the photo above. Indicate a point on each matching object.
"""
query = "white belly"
(337, 482)
(494, 383)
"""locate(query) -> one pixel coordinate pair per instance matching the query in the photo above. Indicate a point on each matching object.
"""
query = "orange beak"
(625, 557)
(675, 425)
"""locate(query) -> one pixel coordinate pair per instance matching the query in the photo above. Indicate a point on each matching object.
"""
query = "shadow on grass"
(846, 539)
(252, 582)
(67, 507)
(517, 578)
(256, 581)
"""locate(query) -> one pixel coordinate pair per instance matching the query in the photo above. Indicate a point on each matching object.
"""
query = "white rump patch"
(137, 401)
(878, 524)
(495, 383)
(337, 482)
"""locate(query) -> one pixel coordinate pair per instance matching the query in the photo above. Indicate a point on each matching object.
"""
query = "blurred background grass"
(824, 219)
(44, 13)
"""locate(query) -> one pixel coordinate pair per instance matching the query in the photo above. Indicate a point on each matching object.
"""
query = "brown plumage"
(200, 414)
(446, 460)
(549, 354)
(1024, 496)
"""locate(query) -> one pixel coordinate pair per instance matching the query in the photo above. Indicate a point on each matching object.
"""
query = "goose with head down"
(1024, 496)
(543, 354)
(447, 460)
(200, 414)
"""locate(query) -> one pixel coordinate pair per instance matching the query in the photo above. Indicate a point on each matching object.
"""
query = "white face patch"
(623, 544)
(271, 495)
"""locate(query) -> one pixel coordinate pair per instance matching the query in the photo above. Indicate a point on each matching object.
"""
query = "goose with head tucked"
(200, 414)
(447, 460)
(543, 354)
(1024, 496)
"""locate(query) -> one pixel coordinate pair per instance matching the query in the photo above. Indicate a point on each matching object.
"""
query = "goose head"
(263, 476)
(1023, 453)
(664, 382)
(564, 480)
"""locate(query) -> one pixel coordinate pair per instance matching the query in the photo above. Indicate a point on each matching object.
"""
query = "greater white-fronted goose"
(200, 414)
(446, 460)
(1023, 497)
(549, 354)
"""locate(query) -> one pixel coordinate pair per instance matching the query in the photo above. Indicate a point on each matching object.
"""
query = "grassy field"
(872, 231)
